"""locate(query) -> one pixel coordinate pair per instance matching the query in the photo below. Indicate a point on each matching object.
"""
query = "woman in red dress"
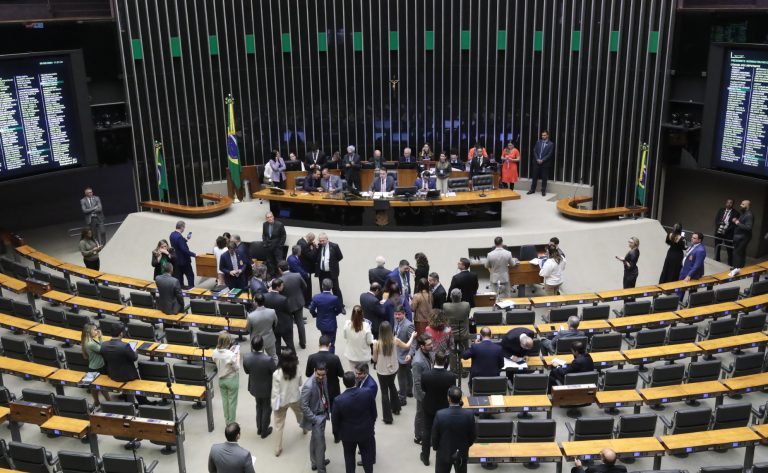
(510, 158)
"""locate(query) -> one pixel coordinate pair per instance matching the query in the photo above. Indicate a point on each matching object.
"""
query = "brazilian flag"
(642, 176)
(232, 151)
(162, 176)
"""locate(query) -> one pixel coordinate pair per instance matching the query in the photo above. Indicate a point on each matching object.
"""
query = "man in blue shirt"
(325, 307)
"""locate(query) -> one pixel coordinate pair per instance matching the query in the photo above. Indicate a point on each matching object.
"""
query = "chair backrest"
(86, 289)
(728, 416)
(561, 314)
(721, 328)
(142, 299)
(60, 283)
(6, 305)
(6, 396)
(229, 309)
(750, 323)
(119, 463)
(682, 334)
(157, 412)
(38, 396)
(487, 317)
(667, 375)
(536, 430)
(45, 355)
(78, 462)
(528, 252)
(489, 385)
(666, 303)
(758, 288)
(637, 308)
(30, 458)
(650, 337)
(186, 373)
(75, 359)
(723, 469)
(108, 326)
(110, 294)
(587, 377)
(727, 294)
(154, 371)
(700, 298)
(24, 310)
(707, 370)
(141, 331)
(298, 182)
(748, 363)
(458, 184)
(563, 345)
(596, 312)
(179, 336)
(15, 347)
(520, 317)
(619, 379)
(54, 316)
(495, 430)
(71, 406)
(201, 307)
(530, 383)
(77, 321)
(14, 269)
(760, 467)
(40, 275)
(593, 428)
(207, 339)
(605, 342)
(117, 407)
(5, 456)
(482, 182)
(636, 425)
(690, 420)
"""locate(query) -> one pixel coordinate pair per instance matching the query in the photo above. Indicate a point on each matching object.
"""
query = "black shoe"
(397, 413)
(388, 422)
(424, 459)
(266, 434)
(544, 193)
(303, 345)
(417, 441)
(530, 192)
(327, 461)
(409, 394)
(403, 402)
(344, 311)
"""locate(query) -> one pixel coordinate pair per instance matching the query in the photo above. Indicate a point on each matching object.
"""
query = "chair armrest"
(646, 379)
(183, 417)
(727, 369)
(159, 336)
(151, 467)
(666, 422)
(631, 341)
(570, 430)
(618, 312)
(702, 335)
(53, 460)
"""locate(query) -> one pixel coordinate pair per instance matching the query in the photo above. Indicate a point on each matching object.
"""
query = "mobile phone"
(682, 234)
(189, 235)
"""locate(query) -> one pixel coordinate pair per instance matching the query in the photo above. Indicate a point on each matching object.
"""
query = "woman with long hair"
(277, 166)
(443, 172)
(227, 359)
(163, 253)
(90, 249)
(629, 261)
(510, 159)
(90, 344)
(422, 266)
(219, 249)
(553, 271)
(673, 263)
(441, 332)
(385, 361)
(358, 336)
(421, 305)
(286, 393)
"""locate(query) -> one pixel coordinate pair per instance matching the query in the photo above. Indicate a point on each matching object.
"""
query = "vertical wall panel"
(389, 74)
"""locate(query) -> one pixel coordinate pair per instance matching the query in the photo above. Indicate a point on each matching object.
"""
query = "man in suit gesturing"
(273, 237)
(229, 457)
(330, 182)
(353, 419)
(327, 265)
(183, 254)
(466, 281)
(453, 433)
(94, 215)
(259, 367)
(232, 265)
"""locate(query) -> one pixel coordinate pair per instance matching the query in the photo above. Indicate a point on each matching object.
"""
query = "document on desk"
(497, 400)
(450, 194)
(535, 262)
(513, 364)
(379, 195)
(502, 304)
(558, 362)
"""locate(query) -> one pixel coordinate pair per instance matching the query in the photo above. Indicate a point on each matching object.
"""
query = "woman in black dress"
(422, 266)
(629, 261)
(674, 260)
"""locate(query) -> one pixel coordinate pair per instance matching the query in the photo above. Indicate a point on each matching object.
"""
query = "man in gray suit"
(294, 287)
(330, 182)
(498, 262)
(169, 298)
(94, 215)
(549, 345)
(403, 330)
(315, 405)
(422, 363)
(229, 457)
(259, 368)
(263, 322)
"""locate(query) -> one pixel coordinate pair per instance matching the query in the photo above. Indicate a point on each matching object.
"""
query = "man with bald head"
(273, 239)
(741, 236)
(517, 343)
(609, 465)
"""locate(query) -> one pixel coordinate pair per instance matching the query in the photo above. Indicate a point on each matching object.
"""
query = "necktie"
(90, 202)
(323, 397)
(325, 258)
(270, 230)
(383, 185)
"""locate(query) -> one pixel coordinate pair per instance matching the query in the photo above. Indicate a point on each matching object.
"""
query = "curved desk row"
(221, 204)
(569, 207)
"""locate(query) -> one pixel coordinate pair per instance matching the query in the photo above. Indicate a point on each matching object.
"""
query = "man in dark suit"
(407, 158)
(325, 307)
(259, 367)
(232, 265)
(293, 290)
(382, 183)
(609, 464)
(308, 258)
(378, 274)
(402, 276)
(373, 309)
(327, 265)
(453, 432)
(517, 343)
(243, 251)
(478, 162)
(543, 151)
(741, 236)
(312, 181)
(353, 418)
(487, 357)
(693, 261)
(548, 345)
(466, 281)
(169, 298)
(183, 263)
(438, 291)
(120, 359)
(275, 300)
(351, 166)
(435, 385)
(273, 236)
(229, 457)
(724, 228)
(315, 158)
(332, 363)
(582, 363)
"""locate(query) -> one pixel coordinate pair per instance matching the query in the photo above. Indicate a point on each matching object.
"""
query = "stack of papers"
(497, 400)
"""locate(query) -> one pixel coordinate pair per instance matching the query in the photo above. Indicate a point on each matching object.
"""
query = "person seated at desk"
(377, 159)
(313, 183)
(425, 182)
(582, 363)
(382, 183)
(407, 157)
(609, 465)
(456, 162)
(548, 345)
(426, 153)
(330, 182)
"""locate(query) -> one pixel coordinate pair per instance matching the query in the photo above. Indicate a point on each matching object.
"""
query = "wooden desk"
(30, 412)
(66, 335)
(181, 352)
(64, 377)
(159, 389)
(212, 321)
(515, 302)
(601, 360)
(80, 271)
(624, 448)
(105, 383)
(556, 301)
(517, 403)
(57, 297)
(752, 271)
(4, 413)
(663, 352)
(540, 452)
(697, 314)
(24, 369)
(619, 398)
(586, 326)
(16, 286)
(710, 440)
(753, 303)
(205, 265)
(746, 384)
(634, 293)
(93, 305)
(152, 316)
(719, 345)
(46, 260)
(221, 204)
(683, 392)
(137, 427)
(123, 281)
(568, 206)
(524, 273)
(682, 286)
(66, 426)
(15, 323)
(498, 331)
(25, 250)
(761, 430)
(634, 323)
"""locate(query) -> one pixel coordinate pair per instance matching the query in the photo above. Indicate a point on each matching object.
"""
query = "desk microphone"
(169, 385)
(226, 317)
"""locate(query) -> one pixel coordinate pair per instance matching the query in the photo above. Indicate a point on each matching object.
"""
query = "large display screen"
(41, 114)
(742, 123)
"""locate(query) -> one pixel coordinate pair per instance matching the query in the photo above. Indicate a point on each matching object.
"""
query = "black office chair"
(185, 373)
(536, 430)
(482, 182)
(32, 458)
(757, 288)
(6, 305)
(14, 347)
(5, 456)
(60, 283)
(619, 379)
(38, 396)
(646, 338)
(155, 371)
(25, 311)
(14, 269)
(77, 321)
(201, 307)
(586, 377)
(6, 396)
(72, 406)
(75, 359)
(520, 317)
(635, 425)
(760, 467)
(750, 323)
(124, 409)
(726, 294)
(699, 371)
(666, 303)
(111, 294)
(729, 416)
(46, 355)
(458, 184)
(530, 384)
(489, 385)
(719, 328)
(232, 310)
(701, 298)
(142, 299)
(528, 252)
(722, 469)
(207, 340)
(561, 314)
(142, 331)
(491, 317)
(596, 312)
(605, 342)
(590, 428)
(682, 334)
(298, 182)
(114, 463)
(667, 375)
(687, 420)
(162, 413)
(55, 317)
(79, 462)
(108, 326)
(177, 336)
(634, 308)
(86, 289)
(494, 430)
(563, 345)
